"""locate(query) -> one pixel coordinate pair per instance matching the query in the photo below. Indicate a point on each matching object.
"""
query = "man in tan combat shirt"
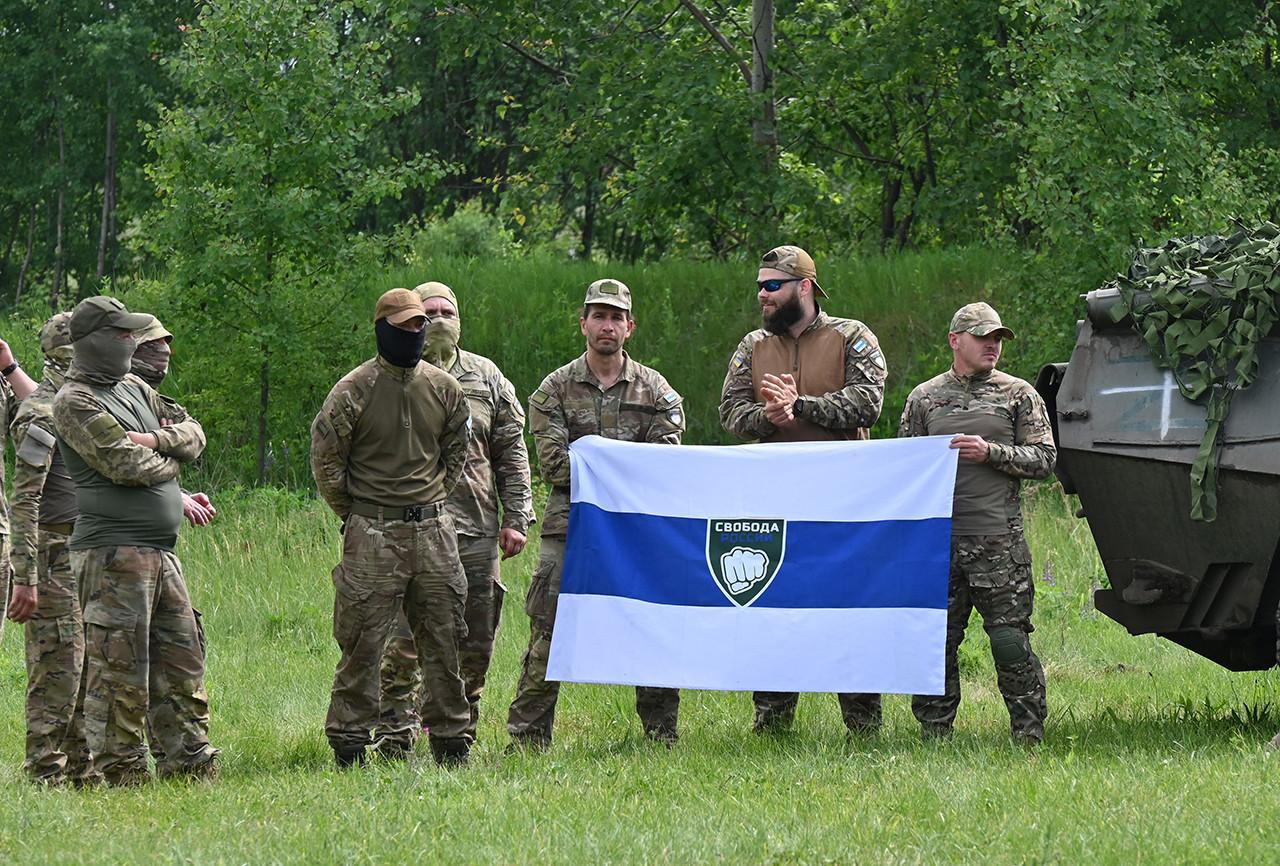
(805, 376)
(387, 448)
(496, 474)
(602, 392)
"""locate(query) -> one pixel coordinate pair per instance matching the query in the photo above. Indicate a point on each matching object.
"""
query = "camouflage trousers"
(777, 710)
(144, 661)
(993, 574)
(405, 704)
(533, 711)
(393, 569)
(56, 745)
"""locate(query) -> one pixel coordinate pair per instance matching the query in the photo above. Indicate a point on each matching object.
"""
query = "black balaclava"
(400, 347)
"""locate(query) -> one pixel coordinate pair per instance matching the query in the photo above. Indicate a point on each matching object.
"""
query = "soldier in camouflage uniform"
(387, 448)
(804, 376)
(123, 446)
(1002, 431)
(497, 470)
(43, 514)
(605, 393)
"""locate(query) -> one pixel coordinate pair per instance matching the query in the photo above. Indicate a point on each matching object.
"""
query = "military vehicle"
(1126, 440)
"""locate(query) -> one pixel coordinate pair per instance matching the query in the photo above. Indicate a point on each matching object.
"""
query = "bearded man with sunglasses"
(805, 376)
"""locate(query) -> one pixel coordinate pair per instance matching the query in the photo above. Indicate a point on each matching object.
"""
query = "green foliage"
(1203, 306)
(468, 233)
(264, 171)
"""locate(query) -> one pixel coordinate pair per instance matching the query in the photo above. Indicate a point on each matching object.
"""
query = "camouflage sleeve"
(100, 440)
(668, 424)
(34, 446)
(183, 437)
(457, 433)
(740, 413)
(1033, 453)
(331, 444)
(858, 403)
(912, 422)
(510, 459)
(550, 433)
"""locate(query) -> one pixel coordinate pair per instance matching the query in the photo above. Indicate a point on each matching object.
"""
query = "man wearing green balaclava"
(123, 446)
(491, 507)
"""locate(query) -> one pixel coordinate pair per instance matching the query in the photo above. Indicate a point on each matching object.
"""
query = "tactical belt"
(410, 513)
(59, 528)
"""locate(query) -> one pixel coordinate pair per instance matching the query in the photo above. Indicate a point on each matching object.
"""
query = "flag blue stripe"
(874, 564)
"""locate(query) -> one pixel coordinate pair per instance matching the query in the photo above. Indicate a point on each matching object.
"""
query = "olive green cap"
(436, 290)
(613, 293)
(152, 332)
(100, 311)
(979, 319)
(398, 306)
(55, 333)
(794, 261)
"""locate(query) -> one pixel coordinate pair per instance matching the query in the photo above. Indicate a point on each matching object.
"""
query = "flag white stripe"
(889, 479)
(608, 639)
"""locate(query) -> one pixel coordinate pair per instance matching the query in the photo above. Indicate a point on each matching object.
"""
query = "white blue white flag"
(806, 567)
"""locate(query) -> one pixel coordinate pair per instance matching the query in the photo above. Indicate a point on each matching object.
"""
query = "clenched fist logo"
(743, 568)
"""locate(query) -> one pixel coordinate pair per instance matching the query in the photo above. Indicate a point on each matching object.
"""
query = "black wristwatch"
(797, 407)
(9, 371)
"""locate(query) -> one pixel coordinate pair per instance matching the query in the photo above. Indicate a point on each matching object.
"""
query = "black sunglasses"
(774, 285)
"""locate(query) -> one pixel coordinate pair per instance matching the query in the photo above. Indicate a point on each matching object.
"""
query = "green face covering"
(442, 342)
(102, 357)
(151, 362)
(56, 362)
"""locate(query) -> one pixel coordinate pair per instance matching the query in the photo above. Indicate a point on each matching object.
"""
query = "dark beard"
(787, 315)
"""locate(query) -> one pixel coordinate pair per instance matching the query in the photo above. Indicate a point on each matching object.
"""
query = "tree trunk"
(14, 225)
(764, 128)
(588, 221)
(264, 395)
(59, 247)
(107, 234)
(26, 260)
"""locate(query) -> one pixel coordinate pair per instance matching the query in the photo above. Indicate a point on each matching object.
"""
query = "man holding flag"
(602, 392)
(804, 377)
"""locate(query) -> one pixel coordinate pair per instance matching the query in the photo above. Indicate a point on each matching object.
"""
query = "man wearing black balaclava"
(123, 446)
(387, 447)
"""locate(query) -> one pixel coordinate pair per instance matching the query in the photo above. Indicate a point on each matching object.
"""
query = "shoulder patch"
(670, 398)
(540, 398)
(877, 358)
(104, 429)
(860, 345)
(36, 445)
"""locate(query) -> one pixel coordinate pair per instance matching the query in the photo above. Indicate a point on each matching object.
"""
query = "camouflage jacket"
(390, 436)
(497, 467)
(84, 423)
(855, 405)
(8, 409)
(1009, 414)
(36, 454)
(570, 404)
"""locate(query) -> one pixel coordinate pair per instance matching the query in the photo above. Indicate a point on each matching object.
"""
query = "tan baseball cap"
(154, 331)
(99, 312)
(979, 319)
(436, 290)
(614, 293)
(398, 306)
(794, 261)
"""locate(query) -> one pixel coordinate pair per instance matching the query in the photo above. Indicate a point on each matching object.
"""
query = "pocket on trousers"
(535, 602)
(116, 629)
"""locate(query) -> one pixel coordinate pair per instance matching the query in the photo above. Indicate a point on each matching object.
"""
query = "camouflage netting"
(1203, 304)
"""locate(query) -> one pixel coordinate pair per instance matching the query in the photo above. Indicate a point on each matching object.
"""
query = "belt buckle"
(414, 513)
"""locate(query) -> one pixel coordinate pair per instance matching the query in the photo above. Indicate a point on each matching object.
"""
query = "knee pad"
(1009, 645)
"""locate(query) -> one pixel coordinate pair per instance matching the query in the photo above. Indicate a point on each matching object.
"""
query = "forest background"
(256, 172)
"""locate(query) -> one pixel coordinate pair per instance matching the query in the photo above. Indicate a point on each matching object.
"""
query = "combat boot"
(205, 771)
(391, 749)
(664, 734)
(134, 777)
(450, 752)
(348, 758)
(930, 731)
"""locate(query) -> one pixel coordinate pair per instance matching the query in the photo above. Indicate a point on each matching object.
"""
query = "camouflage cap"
(436, 290)
(398, 306)
(154, 331)
(794, 261)
(979, 319)
(614, 293)
(100, 311)
(55, 333)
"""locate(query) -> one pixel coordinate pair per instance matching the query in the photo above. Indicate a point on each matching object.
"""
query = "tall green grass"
(1153, 754)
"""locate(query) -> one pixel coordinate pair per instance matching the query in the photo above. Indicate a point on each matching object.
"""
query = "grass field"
(1153, 754)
